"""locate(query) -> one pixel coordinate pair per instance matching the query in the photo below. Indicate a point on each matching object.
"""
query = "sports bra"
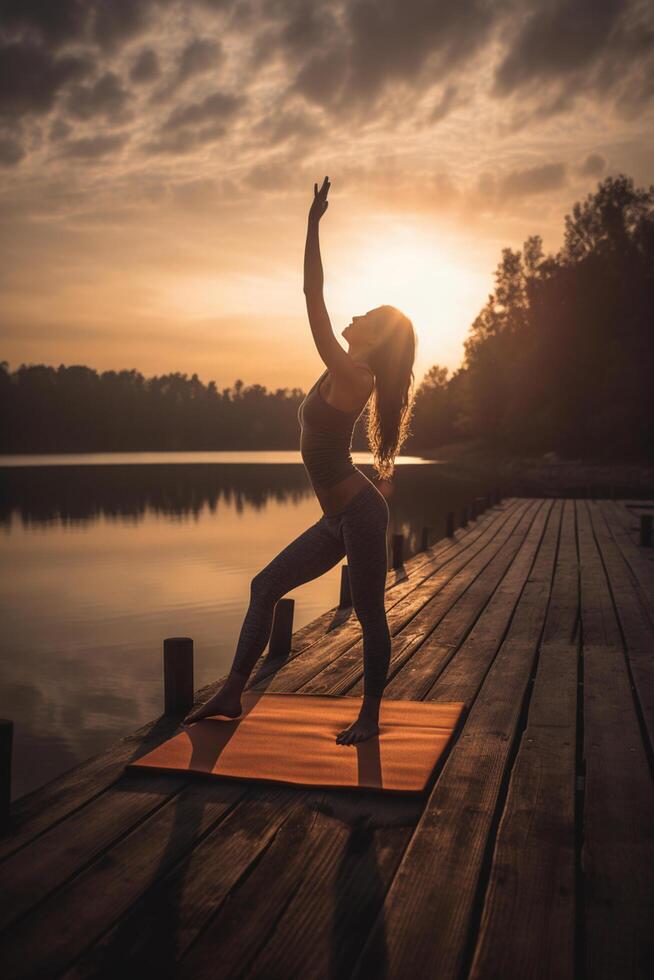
(326, 438)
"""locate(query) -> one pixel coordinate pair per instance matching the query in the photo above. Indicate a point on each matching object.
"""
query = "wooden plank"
(26, 878)
(562, 622)
(640, 560)
(36, 811)
(528, 918)
(528, 922)
(326, 853)
(426, 915)
(598, 617)
(618, 843)
(464, 675)
(635, 623)
(45, 806)
(54, 934)
(469, 642)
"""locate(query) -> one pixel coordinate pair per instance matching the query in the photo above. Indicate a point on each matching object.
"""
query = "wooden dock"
(531, 856)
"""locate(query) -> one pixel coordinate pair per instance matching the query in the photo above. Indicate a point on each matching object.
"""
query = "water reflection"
(101, 562)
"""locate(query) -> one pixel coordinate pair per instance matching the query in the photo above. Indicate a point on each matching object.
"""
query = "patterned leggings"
(358, 532)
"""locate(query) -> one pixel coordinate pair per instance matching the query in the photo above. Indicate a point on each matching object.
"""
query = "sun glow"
(414, 270)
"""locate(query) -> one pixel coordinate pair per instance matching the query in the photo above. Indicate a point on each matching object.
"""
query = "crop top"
(326, 438)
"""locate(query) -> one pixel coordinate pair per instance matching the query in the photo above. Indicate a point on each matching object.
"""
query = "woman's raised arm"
(338, 361)
(313, 275)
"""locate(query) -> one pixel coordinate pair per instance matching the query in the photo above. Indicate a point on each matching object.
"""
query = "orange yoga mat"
(290, 738)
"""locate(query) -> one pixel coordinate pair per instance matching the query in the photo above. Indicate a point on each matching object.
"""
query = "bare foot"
(219, 704)
(359, 731)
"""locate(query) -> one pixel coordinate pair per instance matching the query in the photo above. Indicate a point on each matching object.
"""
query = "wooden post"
(464, 516)
(424, 541)
(449, 525)
(345, 598)
(6, 740)
(282, 629)
(498, 495)
(473, 509)
(489, 500)
(398, 550)
(646, 530)
(178, 674)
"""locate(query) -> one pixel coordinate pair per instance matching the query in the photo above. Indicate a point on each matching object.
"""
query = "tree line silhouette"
(560, 358)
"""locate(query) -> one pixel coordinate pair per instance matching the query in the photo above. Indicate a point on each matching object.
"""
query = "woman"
(355, 514)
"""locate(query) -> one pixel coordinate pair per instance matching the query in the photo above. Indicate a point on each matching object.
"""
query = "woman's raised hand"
(320, 203)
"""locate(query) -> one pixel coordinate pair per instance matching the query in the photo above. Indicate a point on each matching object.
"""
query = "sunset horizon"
(158, 161)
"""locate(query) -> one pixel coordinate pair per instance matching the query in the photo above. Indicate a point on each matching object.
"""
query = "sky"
(158, 158)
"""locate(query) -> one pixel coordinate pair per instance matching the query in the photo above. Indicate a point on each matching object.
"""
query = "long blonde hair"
(390, 408)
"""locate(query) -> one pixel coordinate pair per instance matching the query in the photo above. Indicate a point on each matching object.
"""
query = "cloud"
(557, 39)
(145, 68)
(322, 79)
(276, 175)
(563, 49)
(106, 97)
(343, 56)
(495, 192)
(30, 78)
(593, 165)
(114, 21)
(218, 105)
(54, 23)
(184, 141)
(198, 57)
(294, 124)
(59, 130)
(11, 152)
(533, 180)
(445, 104)
(93, 147)
(60, 22)
(396, 40)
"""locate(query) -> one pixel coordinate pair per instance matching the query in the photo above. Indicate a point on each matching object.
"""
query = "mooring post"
(464, 516)
(345, 598)
(473, 509)
(398, 550)
(424, 541)
(449, 525)
(178, 674)
(646, 530)
(6, 741)
(282, 629)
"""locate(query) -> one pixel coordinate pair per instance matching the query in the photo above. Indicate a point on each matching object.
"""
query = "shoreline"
(547, 472)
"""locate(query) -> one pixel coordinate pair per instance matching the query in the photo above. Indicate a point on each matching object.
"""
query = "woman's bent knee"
(262, 587)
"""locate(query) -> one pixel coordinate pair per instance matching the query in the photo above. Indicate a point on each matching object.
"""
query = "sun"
(419, 273)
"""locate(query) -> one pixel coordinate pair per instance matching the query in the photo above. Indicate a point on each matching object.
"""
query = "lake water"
(105, 555)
